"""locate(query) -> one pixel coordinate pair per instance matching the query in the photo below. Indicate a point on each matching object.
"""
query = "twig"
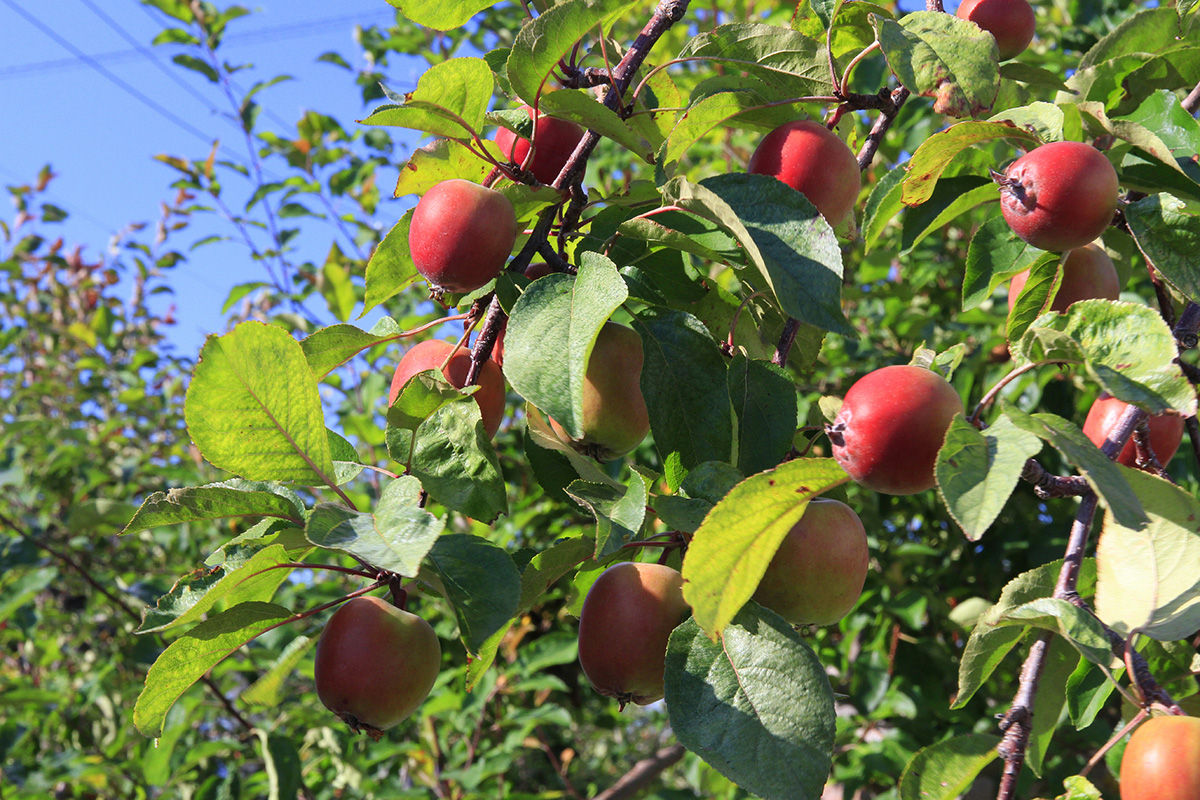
(642, 773)
(1191, 103)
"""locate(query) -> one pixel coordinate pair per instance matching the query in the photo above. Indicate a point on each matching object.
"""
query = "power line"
(269, 34)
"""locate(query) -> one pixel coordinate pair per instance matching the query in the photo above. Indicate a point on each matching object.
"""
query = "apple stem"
(399, 595)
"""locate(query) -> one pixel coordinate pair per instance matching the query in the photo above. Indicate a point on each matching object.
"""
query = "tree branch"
(642, 773)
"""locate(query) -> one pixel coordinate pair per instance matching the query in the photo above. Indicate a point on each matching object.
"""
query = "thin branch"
(642, 773)
(1191, 103)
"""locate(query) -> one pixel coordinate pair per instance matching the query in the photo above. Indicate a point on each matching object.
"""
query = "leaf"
(764, 402)
(396, 536)
(930, 160)
(620, 513)
(545, 568)
(1149, 578)
(883, 207)
(977, 471)
(592, 115)
(1087, 693)
(1168, 234)
(952, 198)
(330, 347)
(215, 501)
(551, 333)
(793, 63)
(450, 100)
(1050, 700)
(1036, 296)
(941, 56)
(995, 255)
(190, 656)
(336, 286)
(268, 690)
(683, 383)
(481, 582)
(546, 39)
(730, 552)
(440, 160)
(945, 770)
(439, 15)
(253, 408)
(701, 117)
(1071, 622)
(390, 269)
(457, 464)
(756, 706)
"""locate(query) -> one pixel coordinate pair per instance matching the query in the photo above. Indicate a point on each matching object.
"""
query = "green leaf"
(1033, 76)
(457, 464)
(581, 107)
(545, 568)
(1069, 621)
(268, 691)
(978, 470)
(480, 581)
(253, 407)
(450, 100)
(945, 770)
(233, 498)
(546, 39)
(1050, 123)
(756, 706)
(440, 160)
(390, 269)
(551, 332)
(190, 656)
(619, 513)
(764, 402)
(1103, 475)
(930, 160)
(941, 56)
(786, 240)
(1149, 577)
(395, 537)
(1167, 231)
(787, 60)
(329, 348)
(337, 288)
(1050, 700)
(989, 644)
(1087, 693)
(883, 207)
(197, 65)
(701, 117)
(439, 15)
(952, 198)
(730, 552)
(1037, 295)
(20, 588)
(281, 760)
(683, 383)
(420, 398)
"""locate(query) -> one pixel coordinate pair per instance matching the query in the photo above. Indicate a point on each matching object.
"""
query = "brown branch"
(642, 773)
(1191, 103)
(1047, 485)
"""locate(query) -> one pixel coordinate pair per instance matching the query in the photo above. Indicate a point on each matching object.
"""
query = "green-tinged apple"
(818, 571)
(627, 617)
(1087, 274)
(375, 664)
(461, 234)
(615, 419)
(431, 354)
(1166, 430)
(1059, 196)
(814, 161)
(891, 426)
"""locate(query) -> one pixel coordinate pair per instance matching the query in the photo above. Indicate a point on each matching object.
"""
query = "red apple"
(815, 162)
(891, 426)
(1011, 22)
(818, 571)
(431, 353)
(461, 234)
(627, 617)
(553, 142)
(375, 664)
(1087, 274)
(1166, 430)
(1162, 760)
(1059, 196)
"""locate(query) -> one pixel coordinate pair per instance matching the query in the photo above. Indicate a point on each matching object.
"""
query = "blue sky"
(100, 138)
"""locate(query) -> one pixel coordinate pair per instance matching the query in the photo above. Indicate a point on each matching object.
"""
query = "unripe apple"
(1059, 196)
(553, 142)
(891, 426)
(627, 617)
(1166, 430)
(814, 161)
(461, 234)
(615, 419)
(1087, 274)
(1011, 22)
(1162, 760)
(818, 571)
(431, 353)
(375, 664)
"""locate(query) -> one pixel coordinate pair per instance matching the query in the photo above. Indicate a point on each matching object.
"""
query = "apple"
(615, 419)
(817, 574)
(627, 617)
(814, 161)
(1011, 22)
(375, 664)
(431, 354)
(891, 426)
(1162, 760)
(1087, 274)
(1059, 196)
(461, 234)
(1166, 430)
(553, 142)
